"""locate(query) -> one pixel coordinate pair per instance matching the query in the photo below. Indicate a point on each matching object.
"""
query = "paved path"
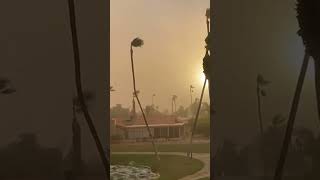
(203, 157)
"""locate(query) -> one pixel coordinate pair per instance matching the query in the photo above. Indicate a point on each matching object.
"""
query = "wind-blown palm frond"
(137, 42)
(308, 15)
(208, 13)
(278, 120)
(4, 82)
(261, 81)
(8, 91)
(174, 97)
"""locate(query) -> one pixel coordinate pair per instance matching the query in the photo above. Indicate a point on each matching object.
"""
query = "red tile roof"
(152, 121)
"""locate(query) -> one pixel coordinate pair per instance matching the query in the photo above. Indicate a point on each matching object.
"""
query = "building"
(161, 126)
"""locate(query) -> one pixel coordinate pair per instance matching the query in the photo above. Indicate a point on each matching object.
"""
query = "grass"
(170, 167)
(196, 148)
(206, 178)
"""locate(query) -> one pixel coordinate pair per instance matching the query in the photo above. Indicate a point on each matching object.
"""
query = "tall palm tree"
(205, 70)
(173, 103)
(261, 83)
(83, 105)
(308, 14)
(137, 42)
(191, 91)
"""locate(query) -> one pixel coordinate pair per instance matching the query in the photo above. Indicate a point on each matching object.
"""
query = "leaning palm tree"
(83, 105)
(205, 70)
(261, 83)
(308, 14)
(137, 42)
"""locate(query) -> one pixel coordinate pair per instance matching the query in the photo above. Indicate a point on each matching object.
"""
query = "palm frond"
(174, 97)
(8, 91)
(308, 15)
(137, 42)
(208, 13)
(278, 120)
(261, 81)
(4, 82)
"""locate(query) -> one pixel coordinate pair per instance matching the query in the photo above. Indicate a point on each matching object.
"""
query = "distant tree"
(182, 112)
(174, 104)
(261, 83)
(119, 112)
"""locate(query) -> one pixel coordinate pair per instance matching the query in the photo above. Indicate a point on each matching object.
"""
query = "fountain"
(132, 172)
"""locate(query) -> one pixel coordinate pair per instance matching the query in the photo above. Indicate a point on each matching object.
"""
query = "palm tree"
(173, 103)
(261, 83)
(308, 12)
(191, 91)
(137, 42)
(83, 105)
(205, 70)
(207, 65)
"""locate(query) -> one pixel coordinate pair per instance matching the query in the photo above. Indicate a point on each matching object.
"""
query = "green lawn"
(196, 148)
(206, 178)
(170, 167)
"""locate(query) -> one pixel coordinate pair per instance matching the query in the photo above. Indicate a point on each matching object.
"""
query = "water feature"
(132, 172)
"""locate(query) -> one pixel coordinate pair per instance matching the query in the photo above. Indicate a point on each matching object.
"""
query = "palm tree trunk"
(172, 107)
(259, 109)
(83, 105)
(317, 83)
(286, 142)
(197, 116)
(76, 141)
(261, 129)
(140, 106)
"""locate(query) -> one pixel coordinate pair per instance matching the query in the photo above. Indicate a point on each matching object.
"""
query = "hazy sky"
(171, 58)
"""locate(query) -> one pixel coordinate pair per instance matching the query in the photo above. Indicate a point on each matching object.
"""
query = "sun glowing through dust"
(202, 77)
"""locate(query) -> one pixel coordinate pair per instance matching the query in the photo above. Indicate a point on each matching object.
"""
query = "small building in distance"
(161, 126)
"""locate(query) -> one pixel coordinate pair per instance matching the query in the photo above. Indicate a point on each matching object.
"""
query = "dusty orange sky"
(171, 58)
